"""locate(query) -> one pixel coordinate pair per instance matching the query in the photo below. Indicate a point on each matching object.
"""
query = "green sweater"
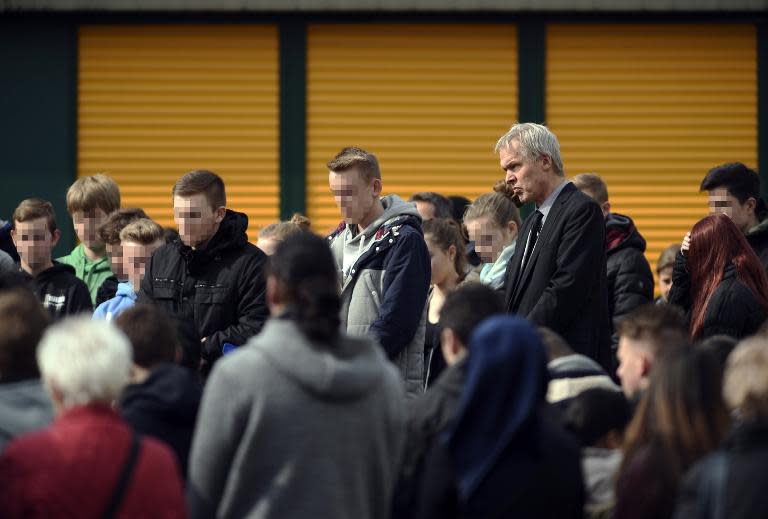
(93, 273)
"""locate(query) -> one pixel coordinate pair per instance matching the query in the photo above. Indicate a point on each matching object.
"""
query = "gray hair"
(85, 361)
(535, 141)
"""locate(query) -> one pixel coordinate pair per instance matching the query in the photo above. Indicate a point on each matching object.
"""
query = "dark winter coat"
(742, 487)
(164, 406)
(732, 310)
(757, 237)
(60, 291)
(502, 455)
(630, 280)
(563, 285)
(71, 469)
(428, 415)
(107, 290)
(216, 293)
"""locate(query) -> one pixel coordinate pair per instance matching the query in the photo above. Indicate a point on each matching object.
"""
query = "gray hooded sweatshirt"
(24, 407)
(288, 429)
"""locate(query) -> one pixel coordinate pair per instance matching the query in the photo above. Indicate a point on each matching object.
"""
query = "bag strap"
(125, 477)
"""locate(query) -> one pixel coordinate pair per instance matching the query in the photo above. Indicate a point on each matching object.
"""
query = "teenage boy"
(138, 240)
(89, 201)
(35, 234)
(211, 280)
(109, 233)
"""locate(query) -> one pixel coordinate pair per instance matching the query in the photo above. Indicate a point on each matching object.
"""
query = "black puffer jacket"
(732, 310)
(630, 280)
(216, 293)
(757, 237)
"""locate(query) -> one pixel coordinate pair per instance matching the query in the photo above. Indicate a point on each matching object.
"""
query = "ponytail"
(316, 309)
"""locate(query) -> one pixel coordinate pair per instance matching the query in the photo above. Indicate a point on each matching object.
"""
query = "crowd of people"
(430, 358)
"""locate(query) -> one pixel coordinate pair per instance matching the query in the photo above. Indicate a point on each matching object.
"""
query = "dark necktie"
(538, 217)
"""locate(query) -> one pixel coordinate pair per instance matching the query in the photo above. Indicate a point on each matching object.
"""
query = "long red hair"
(716, 242)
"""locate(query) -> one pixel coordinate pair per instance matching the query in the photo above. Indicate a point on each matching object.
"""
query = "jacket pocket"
(211, 295)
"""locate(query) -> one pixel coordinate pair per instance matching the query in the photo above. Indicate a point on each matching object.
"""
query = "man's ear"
(606, 207)
(451, 346)
(376, 187)
(13, 237)
(646, 366)
(220, 213)
(55, 236)
(751, 205)
(546, 162)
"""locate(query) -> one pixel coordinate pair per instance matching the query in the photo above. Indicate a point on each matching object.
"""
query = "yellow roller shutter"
(428, 100)
(652, 108)
(157, 101)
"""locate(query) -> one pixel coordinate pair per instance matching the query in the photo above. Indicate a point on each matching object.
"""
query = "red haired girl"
(719, 281)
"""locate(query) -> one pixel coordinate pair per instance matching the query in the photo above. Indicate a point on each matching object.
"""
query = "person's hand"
(686, 243)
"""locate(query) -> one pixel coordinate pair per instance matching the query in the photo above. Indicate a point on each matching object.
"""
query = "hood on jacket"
(232, 234)
(621, 233)
(171, 393)
(759, 229)
(574, 365)
(347, 370)
(505, 386)
(396, 211)
(125, 290)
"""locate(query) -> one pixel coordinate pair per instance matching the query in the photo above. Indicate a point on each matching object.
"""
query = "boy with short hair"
(35, 234)
(138, 240)
(109, 232)
(89, 201)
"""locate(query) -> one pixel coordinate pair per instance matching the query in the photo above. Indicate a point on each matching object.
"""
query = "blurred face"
(720, 200)
(490, 239)
(633, 367)
(196, 221)
(115, 253)
(34, 242)
(354, 196)
(665, 282)
(425, 209)
(267, 245)
(605, 207)
(135, 258)
(87, 225)
(528, 179)
(441, 261)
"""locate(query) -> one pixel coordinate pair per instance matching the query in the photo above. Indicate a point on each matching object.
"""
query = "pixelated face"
(87, 225)
(196, 220)
(425, 209)
(267, 245)
(135, 258)
(115, 253)
(490, 239)
(527, 178)
(665, 282)
(354, 196)
(720, 200)
(632, 362)
(441, 261)
(34, 242)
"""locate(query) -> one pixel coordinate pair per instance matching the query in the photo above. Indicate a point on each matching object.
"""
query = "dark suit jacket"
(563, 286)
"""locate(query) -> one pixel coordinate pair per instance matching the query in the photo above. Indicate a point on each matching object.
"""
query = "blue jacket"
(123, 300)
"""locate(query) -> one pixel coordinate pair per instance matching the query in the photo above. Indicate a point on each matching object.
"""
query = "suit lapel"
(513, 267)
(546, 231)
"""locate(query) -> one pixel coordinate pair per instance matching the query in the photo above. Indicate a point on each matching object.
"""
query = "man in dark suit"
(557, 276)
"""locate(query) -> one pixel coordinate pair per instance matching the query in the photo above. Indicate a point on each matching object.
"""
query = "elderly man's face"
(528, 178)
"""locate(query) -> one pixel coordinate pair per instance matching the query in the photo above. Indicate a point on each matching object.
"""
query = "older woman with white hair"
(732, 481)
(88, 463)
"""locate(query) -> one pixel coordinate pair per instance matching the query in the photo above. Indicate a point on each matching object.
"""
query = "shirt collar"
(550, 201)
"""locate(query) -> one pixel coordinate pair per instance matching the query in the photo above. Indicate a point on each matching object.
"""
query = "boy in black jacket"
(35, 234)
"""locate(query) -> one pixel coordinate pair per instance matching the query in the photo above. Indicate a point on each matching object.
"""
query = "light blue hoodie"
(123, 300)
